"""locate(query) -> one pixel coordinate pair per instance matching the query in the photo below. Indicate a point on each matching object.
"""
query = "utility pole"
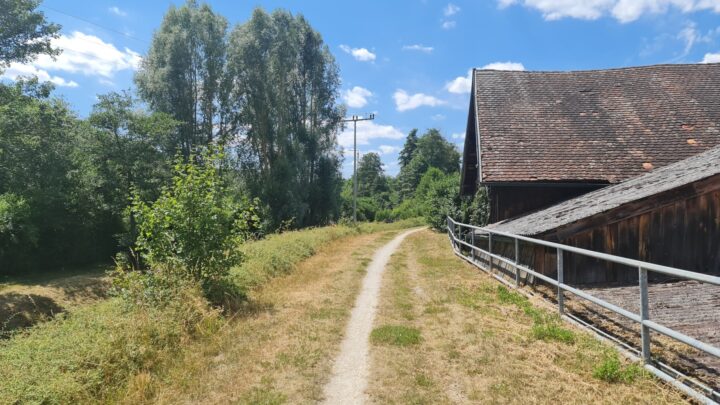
(355, 119)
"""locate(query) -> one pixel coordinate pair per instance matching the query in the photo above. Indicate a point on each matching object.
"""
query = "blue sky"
(406, 61)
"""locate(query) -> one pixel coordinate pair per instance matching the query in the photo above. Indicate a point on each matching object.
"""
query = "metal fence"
(467, 236)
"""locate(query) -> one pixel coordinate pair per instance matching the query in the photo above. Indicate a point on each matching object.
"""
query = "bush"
(407, 209)
(440, 196)
(193, 230)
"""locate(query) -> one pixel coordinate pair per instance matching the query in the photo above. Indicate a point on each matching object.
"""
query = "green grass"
(551, 330)
(396, 335)
(612, 370)
(93, 353)
(546, 326)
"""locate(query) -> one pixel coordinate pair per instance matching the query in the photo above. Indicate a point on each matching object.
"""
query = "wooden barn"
(670, 216)
(538, 138)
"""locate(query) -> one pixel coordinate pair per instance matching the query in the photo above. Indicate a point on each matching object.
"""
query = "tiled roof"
(599, 125)
(684, 172)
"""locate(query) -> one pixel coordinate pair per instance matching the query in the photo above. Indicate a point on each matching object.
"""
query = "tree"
(371, 176)
(285, 86)
(408, 150)
(432, 150)
(24, 32)
(439, 194)
(46, 193)
(183, 74)
(128, 150)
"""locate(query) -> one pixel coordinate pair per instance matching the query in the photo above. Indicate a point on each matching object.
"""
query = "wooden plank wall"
(680, 229)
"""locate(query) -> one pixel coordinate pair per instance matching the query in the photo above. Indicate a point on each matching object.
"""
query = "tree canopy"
(25, 32)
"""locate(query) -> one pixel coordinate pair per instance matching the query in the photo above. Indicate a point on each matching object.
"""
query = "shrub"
(407, 209)
(193, 230)
(440, 196)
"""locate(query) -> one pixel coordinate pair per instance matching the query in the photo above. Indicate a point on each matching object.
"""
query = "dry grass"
(279, 349)
(479, 344)
(26, 301)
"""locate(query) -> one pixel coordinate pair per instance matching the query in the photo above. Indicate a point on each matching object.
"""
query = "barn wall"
(509, 201)
(680, 229)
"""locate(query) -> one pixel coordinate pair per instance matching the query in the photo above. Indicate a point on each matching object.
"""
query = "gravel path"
(350, 371)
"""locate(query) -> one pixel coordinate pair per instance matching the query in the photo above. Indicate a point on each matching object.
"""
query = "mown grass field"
(448, 333)
(109, 352)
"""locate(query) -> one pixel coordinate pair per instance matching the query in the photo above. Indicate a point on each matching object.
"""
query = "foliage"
(431, 150)
(440, 195)
(408, 150)
(25, 33)
(371, 176)
(18, 235)
(476, 210)
(285, 85)
(41, 163)
(192, 230)
(183, 74)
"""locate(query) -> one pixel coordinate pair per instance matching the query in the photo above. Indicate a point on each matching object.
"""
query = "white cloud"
(711, 58)
(361, 54)
(418, 47)
(460, 84)
(405, 101)
(367, 131)
(438, 117)
(450, 9)
(16, 70)
(357, 97)
(459, 135)
(463, 84)
(117, 11)
(448, 25)
(389, 149)
(504, 66)
(84, 54)
(622, 10)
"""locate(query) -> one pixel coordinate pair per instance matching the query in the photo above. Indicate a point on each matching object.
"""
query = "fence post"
(644, 315)
(490, 251)
(560, 279)
(472, 242)
(517, 260)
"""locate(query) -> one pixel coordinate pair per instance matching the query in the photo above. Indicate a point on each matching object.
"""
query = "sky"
(407, 61)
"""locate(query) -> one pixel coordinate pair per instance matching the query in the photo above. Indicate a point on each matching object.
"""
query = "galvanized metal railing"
(459, 233)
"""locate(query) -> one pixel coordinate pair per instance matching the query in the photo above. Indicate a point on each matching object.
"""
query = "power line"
(95, 24)
(354, 119)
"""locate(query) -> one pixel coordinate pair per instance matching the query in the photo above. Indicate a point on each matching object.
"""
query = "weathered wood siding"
(509, 201)
(678, 228)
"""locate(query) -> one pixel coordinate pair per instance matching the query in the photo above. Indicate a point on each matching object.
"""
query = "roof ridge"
(640, 67)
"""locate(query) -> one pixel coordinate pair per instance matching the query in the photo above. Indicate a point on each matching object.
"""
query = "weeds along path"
(350, 371)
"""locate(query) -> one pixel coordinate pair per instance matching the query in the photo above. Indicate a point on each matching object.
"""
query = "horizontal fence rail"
(465, 235)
